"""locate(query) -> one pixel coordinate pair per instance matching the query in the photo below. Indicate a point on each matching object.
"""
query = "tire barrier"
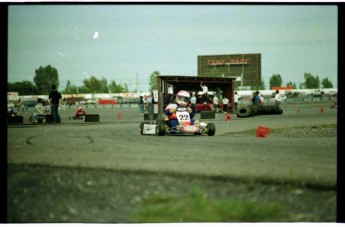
(253, 110)
(207, 115)
(91, 118)
(15, 120)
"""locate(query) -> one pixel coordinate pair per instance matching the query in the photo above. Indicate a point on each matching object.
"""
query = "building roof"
(193, 82)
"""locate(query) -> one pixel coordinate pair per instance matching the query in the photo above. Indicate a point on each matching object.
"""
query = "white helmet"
(182, 98)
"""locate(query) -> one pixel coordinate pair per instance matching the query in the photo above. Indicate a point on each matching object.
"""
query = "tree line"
(48, 75)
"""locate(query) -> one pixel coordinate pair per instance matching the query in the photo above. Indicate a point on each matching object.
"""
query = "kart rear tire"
(244, 111)
(211, 129)
(161, 129)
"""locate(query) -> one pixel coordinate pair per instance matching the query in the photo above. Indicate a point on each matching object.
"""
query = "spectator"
(215, 103)
(205, 100)
(141, 105)
(55, 101)
(193, 102)
(170, 93)
(256, 98)
(145, 103)
(149, 104)
(204, 88)
(236, 99)
(277, 98)
(225, 104)
(152, 103)
(40, 112)
(11, 112)
(262, 99)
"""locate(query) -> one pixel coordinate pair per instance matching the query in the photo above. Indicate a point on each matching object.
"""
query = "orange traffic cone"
(262, 131)
(321, 110)
(119, 117)
(228, 117)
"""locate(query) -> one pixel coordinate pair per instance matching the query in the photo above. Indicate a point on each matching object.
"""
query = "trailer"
(222, 86)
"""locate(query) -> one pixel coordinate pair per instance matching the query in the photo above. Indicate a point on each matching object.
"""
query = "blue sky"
(135, 40)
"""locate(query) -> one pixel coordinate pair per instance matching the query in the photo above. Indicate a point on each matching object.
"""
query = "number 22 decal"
(183, 117)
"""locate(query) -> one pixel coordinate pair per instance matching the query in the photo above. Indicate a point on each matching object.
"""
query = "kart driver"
(181, 104)
(80, 113)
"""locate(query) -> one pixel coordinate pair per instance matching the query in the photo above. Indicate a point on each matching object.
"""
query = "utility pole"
(242, 74)
(137, 82)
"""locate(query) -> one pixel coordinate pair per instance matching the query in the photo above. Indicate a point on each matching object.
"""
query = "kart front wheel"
(211, 129)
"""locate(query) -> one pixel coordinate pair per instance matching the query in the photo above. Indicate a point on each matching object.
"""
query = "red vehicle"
(201, 106)
(107, 101)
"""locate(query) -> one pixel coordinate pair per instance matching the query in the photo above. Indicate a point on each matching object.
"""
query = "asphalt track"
(116, 143)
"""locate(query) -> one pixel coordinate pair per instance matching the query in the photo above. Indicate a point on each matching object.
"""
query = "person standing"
(170, 93)
(215, 103)
(145, 104)
(225, 104)
(55, 101)
(256, 98)
(141, 105)
(277, 98)
(205, 100)
(262, 99)
(236, 99)
(193, 102)
(149, 104)
(204, 88)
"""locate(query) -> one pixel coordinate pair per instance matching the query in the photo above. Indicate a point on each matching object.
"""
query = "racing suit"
(80, 112)
(170, 111)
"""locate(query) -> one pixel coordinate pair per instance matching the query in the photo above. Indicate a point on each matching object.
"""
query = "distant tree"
(45, 77)
(125, 88)
(113, 87)
(70, 89)
(290, 84)
(93, 85)
(104, 86)
(23, 88)
(326, 83)
(82, 90)
(153, 81)
(117, 88)
(276, 81)
(311, 81)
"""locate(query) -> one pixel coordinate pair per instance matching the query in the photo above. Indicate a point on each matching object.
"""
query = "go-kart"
(81, 117)
(334, 105)
(161, 126)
